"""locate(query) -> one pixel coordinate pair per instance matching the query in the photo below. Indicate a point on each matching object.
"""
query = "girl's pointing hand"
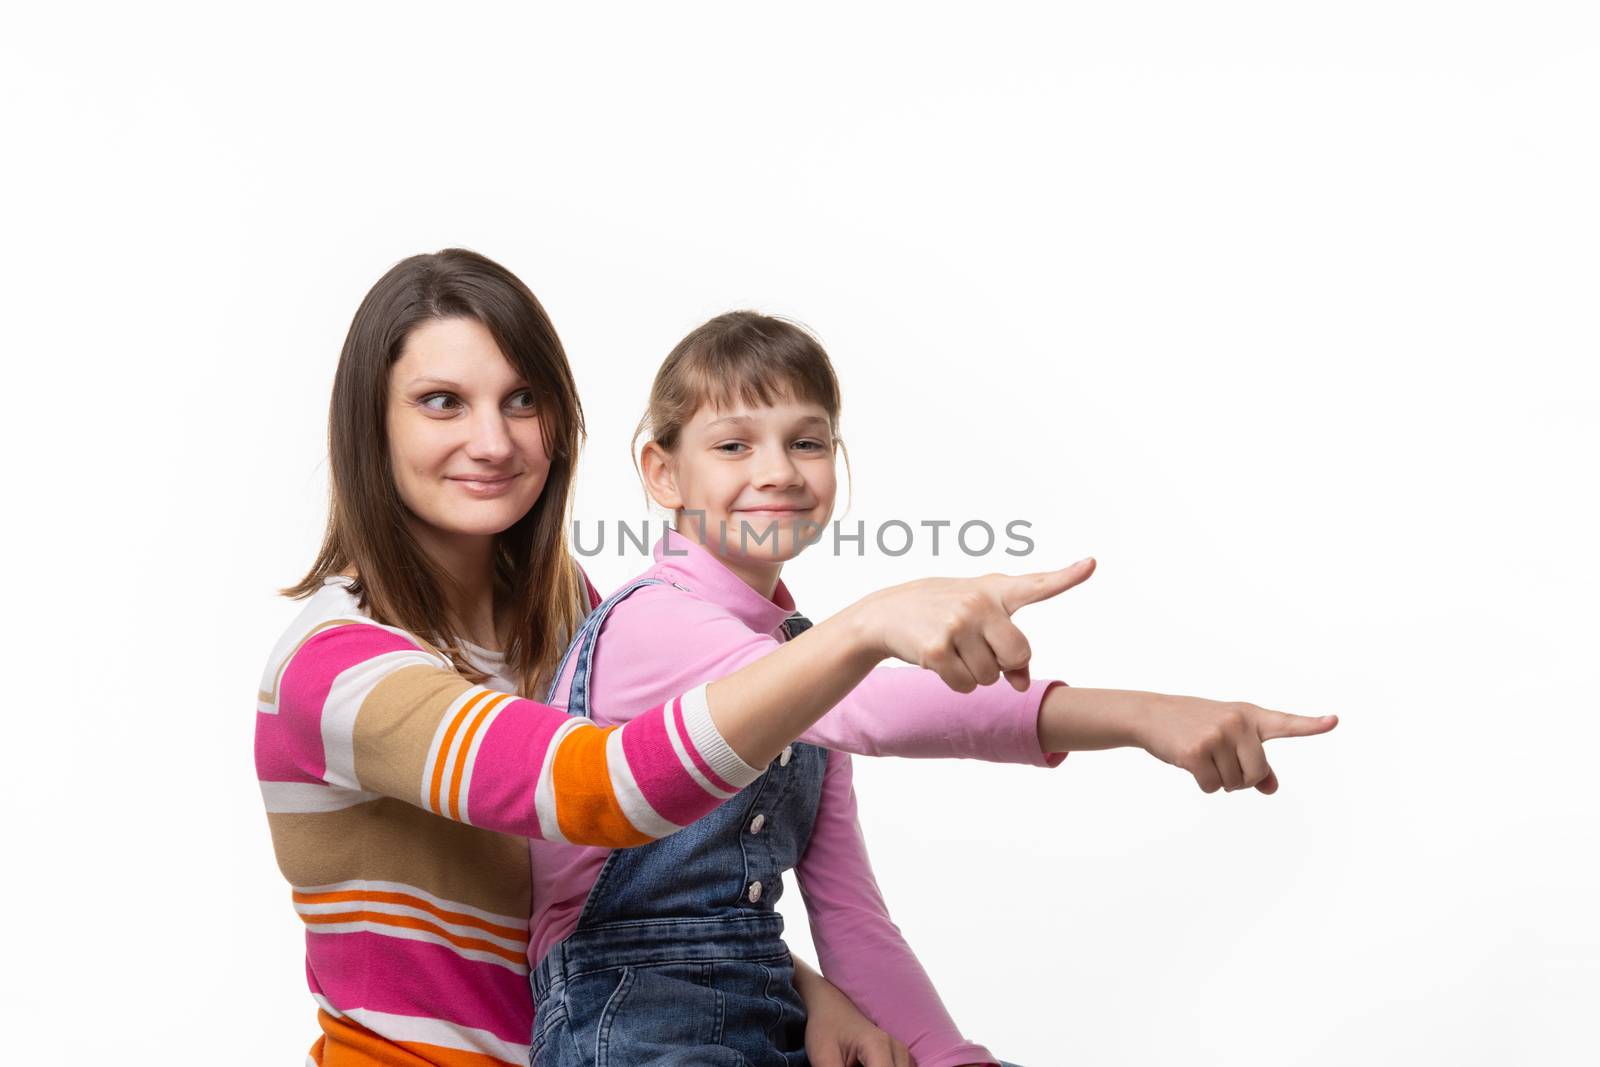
(1220, 743)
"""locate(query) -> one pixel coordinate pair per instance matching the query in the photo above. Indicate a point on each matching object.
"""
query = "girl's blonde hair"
(740, 357)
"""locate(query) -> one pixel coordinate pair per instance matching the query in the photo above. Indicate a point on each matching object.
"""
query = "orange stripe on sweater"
(586, 808)
(444, 749)
(466, 750)
(378, 896)
(346, 1044)
(453, 1057)
(476, 944)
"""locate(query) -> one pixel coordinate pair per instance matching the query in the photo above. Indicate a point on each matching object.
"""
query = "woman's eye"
(523, 402)
(440, 402)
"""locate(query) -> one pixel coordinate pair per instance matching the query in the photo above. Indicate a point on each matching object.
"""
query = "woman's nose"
(490, 442)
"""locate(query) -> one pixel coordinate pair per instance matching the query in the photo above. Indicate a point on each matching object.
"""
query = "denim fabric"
(672, 964)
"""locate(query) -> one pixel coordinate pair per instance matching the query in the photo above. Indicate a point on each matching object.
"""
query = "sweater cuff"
(1051, 759)
(959, 1056)
(1030, 704)
(707, 741)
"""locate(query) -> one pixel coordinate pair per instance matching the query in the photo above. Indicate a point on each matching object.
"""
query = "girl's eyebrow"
(740, 419)
(744, 419)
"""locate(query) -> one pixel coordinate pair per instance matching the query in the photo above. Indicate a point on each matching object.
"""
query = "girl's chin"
(766, 555)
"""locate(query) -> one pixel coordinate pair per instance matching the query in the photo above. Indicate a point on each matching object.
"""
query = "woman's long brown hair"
(538, 590)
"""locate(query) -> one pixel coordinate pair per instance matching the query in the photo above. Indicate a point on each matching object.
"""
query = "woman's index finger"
(1274, 724)
(1023, 589)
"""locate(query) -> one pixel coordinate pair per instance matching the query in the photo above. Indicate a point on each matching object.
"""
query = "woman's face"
(464, 438)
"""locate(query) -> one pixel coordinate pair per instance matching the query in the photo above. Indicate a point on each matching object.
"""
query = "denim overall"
(678, 957)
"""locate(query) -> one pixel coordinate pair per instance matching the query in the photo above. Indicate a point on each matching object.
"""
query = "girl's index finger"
(1020, 590)
(1274, 724)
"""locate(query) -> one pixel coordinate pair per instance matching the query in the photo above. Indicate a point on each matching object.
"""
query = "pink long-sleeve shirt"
(705, 623)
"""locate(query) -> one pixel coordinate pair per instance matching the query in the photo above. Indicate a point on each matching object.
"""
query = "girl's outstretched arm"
(1219, 742)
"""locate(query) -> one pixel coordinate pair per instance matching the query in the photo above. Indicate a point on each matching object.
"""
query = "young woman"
(403, 776)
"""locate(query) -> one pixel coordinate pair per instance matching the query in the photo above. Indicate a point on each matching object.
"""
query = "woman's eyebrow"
(446, 383)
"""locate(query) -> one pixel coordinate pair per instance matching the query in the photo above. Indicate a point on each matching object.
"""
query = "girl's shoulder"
(661, 594)
(664, 614)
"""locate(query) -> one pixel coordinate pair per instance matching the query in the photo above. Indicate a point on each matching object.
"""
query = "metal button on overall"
(786, 755)
(757, 823)
(755, 892)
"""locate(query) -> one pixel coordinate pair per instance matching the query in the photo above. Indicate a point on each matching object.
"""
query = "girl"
(672, 953)
(401, 774)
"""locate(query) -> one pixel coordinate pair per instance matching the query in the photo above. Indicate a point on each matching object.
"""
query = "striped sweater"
(401, 798)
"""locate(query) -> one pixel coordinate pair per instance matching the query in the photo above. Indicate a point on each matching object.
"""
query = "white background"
(1286, 312)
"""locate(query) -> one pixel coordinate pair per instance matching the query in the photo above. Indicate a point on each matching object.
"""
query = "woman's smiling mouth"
(484, 486)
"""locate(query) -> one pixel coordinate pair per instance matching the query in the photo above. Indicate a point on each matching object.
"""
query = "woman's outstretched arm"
(359, 711)
(959, 628)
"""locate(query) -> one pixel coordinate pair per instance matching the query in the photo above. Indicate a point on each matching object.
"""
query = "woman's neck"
(468, 561)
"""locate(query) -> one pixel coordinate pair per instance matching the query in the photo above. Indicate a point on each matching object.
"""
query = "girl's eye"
(809, 445)
(729, 448)
(523, 402)
(440, 402)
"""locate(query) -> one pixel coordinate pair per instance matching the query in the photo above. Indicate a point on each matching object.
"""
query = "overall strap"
(795, 625)
(583, 646)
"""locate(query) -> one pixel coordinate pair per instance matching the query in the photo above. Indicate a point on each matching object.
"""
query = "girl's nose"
(489, 441)
(777, 471)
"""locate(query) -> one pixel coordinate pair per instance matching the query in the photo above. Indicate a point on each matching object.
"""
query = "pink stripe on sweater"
(662, 779)
(391, 974)
(278, 749)
(694, 753)
(311, 977)
(289, 744)
(505, 774)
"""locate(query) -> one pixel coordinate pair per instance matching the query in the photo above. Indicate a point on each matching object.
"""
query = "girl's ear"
(660, 481)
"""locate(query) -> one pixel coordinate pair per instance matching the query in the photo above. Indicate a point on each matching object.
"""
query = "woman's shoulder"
(591, 595)
(334, 607)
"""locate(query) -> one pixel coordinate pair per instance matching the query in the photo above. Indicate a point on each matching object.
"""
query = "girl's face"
(464, 440)
(763, 477)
